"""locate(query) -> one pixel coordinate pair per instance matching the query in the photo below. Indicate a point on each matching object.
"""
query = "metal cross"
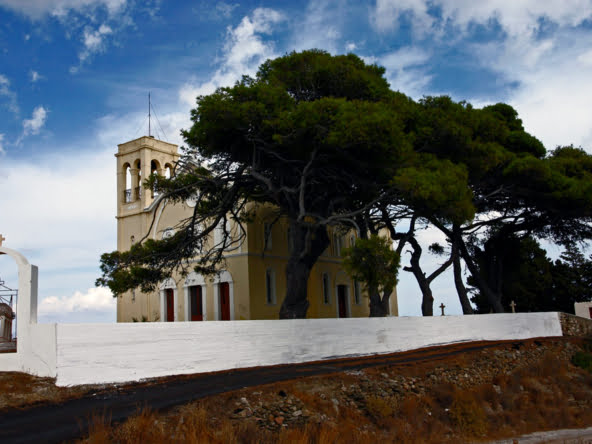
(442, 306)
(513, 305)
(2, 238)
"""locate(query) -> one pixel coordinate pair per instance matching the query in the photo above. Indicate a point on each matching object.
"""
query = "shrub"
(583, 360)
(467, 415)
(379, 409)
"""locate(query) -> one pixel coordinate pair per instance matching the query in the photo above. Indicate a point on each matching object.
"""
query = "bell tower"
(136, 161)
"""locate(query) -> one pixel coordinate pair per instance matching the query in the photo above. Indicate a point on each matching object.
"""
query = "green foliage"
(373, 262)
(316, 136)
(521, 271)
(506, 113)
(314, 74)
(324, 140)
(436, 187)
(436, 249)
(583, 359)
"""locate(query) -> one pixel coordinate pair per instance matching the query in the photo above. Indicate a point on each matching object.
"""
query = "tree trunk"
(457, 271)
(493, 298)
(427, 299)
(307, 243)
(379, 307)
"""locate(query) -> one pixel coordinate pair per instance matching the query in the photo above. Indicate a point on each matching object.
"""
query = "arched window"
(267, 236)
(337, 244)
(357, 293)
(137, 179)
(270, 294)
(195, 297)
(168, 170)
(326, 289)
(127, 192)
(154, 169)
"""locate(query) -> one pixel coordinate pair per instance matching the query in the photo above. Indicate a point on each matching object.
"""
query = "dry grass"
(18, 390)
(530, 392)
(546, 393)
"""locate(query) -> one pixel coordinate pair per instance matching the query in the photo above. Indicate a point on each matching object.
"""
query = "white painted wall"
(96, 353)
(36, 343)
(105, 353)
(583, 309)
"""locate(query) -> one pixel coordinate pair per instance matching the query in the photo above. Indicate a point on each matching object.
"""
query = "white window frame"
(194, 280)
(166, 285)
(223, 276)
(347, 301)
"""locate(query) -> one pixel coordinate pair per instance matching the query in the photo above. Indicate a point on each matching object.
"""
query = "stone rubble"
(285, 409)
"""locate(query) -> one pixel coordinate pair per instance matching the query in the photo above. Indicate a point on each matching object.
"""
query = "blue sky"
(75, 74)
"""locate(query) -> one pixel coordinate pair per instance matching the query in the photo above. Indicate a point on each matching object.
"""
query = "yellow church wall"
(276, 258)
(247, 264)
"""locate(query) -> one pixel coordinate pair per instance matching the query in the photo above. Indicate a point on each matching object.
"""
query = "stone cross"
(442, 306)
(513, 305)
(2, 238)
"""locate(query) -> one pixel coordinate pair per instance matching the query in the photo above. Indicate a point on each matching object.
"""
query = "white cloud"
(95, 299)
(94, 22)
(244, 51)
(321, 26)
(9, 94)
(2, 144)
(225, 9)
(93, 41)
(406, 70)
(115, 128)
(543, 53)
(585, 58)
(36, 122)
(36, 9)
(58, 210)
(61, 202)
(350, 46)
(554, 102)
(35, 76)
(516, 18)
(387, 13)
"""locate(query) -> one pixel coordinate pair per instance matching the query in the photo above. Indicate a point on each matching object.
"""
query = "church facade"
(253, 282)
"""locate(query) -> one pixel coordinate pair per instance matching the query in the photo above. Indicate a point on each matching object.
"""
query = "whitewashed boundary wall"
(583, 309)
(36, 346)
(95, 353)
(105, 353)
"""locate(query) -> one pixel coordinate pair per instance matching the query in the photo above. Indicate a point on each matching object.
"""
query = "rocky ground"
(506, 391)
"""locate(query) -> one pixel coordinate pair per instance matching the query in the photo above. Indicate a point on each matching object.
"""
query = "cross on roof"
(442, 306)
(2, 238)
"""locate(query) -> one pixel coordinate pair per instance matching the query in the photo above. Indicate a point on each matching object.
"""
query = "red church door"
(341, 300)
(196, 303)
(170, 305)
(224, 301)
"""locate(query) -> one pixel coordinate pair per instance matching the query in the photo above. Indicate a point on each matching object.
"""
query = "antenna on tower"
(149, 106)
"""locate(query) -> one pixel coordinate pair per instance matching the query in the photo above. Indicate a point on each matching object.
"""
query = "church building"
(253, 283)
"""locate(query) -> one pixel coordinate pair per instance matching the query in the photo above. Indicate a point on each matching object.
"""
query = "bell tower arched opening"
(128, 191)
